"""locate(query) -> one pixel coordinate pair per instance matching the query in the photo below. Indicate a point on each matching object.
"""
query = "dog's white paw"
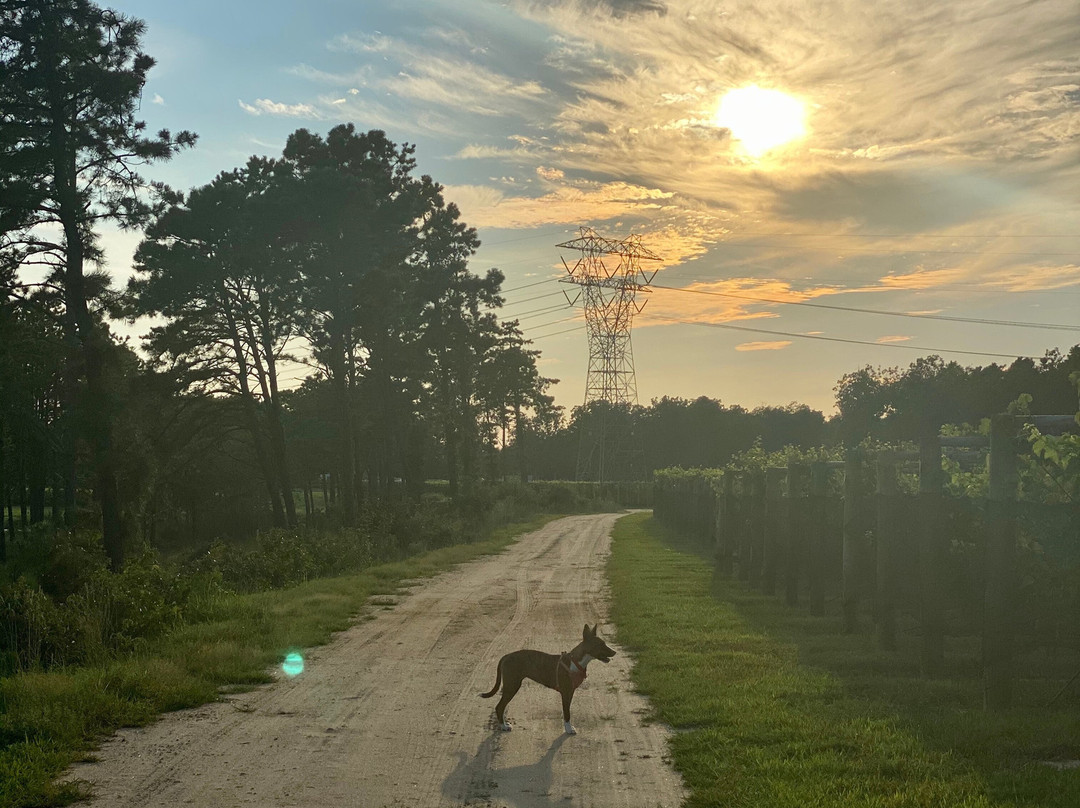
(505, 726)
(569, 729)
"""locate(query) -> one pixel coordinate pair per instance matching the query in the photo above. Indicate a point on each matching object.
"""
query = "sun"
(761, 119)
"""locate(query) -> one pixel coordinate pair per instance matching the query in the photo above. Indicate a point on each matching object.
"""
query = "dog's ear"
(589, 632)
(585, 632)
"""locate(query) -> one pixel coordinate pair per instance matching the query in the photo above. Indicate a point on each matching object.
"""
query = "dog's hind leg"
(510, 689)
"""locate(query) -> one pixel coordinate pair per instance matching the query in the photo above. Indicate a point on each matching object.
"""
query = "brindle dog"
(562, 672)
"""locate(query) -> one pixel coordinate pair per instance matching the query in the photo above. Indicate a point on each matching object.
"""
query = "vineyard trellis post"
(816, 536)
(755, 526)
(887, 536)
(931, 555)
(795, 550)
(774, 526)
(854, 554)
(742, 526)
(724, 524)
(1001, 579)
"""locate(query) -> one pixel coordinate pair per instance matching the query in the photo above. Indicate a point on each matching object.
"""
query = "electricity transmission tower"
(610, 278)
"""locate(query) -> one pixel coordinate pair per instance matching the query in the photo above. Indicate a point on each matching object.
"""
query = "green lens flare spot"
(293, 665)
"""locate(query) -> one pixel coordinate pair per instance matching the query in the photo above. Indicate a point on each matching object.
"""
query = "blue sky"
(937, 175)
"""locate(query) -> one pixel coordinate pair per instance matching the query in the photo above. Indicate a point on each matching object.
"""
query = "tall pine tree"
(71, 77)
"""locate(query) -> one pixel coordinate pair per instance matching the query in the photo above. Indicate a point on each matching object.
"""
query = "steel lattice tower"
(609, 295)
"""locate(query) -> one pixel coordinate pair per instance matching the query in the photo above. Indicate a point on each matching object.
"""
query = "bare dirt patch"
(388, 714)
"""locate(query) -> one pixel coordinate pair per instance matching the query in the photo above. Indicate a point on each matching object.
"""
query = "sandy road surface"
(388, 714)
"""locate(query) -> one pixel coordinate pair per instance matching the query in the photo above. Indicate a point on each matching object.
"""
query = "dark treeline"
(902, 404)
(669, 432)
(335, 262)
(884, 403)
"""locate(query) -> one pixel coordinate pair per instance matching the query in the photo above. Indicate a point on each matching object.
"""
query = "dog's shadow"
(476, 781)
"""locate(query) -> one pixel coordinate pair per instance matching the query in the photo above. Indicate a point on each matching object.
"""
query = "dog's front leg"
(567, 697)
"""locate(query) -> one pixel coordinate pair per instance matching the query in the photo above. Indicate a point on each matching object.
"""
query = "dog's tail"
(498, 681)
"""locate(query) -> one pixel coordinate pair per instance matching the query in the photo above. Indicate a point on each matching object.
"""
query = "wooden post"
(1001, 578)
(708, 511)
(724, 535)
(755, 526)
(793, 557)
(887, 535)
(742, 513)
(931, 556)
(854, 540)
(774, 527)
(816, 530)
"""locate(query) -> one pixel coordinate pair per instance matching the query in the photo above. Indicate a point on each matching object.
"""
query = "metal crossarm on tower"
(610, 278)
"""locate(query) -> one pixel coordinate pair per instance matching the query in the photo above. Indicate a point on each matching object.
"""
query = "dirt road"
(388, 714)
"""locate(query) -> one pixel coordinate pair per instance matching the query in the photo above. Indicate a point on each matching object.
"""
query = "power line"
(834, 339)
(525, 315)
(527, 285)
(555, 334)
(912, 235)
(530, 299)
(945, 317)
(872, 250)
(553, 322)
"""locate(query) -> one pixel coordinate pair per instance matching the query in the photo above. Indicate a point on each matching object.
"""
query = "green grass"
(51, 719)
(773, 708)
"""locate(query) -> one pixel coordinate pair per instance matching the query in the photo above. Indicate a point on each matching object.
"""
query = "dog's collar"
(575, 670)
(570, 663)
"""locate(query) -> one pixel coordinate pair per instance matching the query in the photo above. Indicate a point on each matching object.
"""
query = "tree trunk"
(37, 475)
(268, 379)
(251, 417)
(346, 483)
(3, 495)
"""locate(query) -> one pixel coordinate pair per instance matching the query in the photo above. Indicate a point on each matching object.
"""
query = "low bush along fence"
(970, 543)
(59, 605)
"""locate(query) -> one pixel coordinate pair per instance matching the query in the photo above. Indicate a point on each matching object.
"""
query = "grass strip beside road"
(51, 719)
(757, 726)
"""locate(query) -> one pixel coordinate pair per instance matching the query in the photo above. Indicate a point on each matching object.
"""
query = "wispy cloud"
(264, 106)
(362, 43)
(488, 207)
(893, 338)
(466, 87)
(351, 78)
(763, 346)
(488, 152)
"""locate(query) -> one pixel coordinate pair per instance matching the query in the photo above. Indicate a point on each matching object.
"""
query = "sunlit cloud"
(483, 206)
(763, 346)
(157, 99)
(920, 279)
(890, 339)
(1035, 278)
(725, 301)
(485, 152)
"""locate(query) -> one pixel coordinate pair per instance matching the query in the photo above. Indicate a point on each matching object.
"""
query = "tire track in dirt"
(388, 714)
